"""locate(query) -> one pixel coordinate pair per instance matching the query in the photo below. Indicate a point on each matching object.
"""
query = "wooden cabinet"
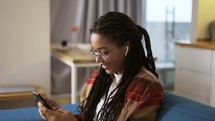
(194, 75)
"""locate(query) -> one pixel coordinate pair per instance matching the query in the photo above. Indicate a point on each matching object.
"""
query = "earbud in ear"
(126, 52)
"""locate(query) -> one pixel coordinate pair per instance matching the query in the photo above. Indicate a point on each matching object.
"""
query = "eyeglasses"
(98, 54)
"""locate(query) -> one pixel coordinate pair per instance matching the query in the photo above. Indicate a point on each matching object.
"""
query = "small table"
(8, 93)
(75, 57)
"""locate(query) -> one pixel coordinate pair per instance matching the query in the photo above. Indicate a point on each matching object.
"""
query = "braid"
(150, 64)
(100, 87)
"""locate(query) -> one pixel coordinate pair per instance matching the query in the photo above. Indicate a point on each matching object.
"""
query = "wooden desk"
(75, 57)
(25, 94)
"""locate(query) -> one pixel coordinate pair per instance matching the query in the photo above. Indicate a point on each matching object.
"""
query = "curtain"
(63, 16)
(89, 11)
(71, 21)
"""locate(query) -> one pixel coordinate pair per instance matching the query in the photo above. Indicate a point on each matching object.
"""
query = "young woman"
(125, 87)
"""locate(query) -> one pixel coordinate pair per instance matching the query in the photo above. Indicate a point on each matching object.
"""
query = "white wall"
(25, 43)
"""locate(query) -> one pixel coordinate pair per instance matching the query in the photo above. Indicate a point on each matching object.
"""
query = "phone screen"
(40, 98)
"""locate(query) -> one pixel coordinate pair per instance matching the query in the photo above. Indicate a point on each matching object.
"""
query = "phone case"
(40, 98)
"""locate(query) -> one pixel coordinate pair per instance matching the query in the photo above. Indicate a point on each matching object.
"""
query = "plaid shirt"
(143, 97)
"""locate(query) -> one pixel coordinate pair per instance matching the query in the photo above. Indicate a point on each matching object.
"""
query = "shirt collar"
(117, 78)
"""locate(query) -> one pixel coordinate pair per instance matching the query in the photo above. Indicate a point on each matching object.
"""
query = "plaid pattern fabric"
(142, 100)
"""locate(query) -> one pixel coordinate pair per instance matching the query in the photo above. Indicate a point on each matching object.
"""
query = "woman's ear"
(126, 52)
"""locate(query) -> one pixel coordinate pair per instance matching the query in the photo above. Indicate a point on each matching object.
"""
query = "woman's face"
(111, 57)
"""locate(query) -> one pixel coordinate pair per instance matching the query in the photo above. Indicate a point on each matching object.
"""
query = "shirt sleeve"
(142, 102)
(148, 106)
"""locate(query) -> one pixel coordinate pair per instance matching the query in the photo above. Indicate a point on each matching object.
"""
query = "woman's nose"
(98, 59)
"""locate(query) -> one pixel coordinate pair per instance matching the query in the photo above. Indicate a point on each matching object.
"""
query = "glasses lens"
(92, 53)
(97, 54)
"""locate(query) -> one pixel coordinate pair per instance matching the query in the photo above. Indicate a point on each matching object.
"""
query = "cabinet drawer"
(194, 59)
(194, 83)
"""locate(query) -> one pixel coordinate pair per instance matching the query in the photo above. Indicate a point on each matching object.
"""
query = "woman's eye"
(105, 53)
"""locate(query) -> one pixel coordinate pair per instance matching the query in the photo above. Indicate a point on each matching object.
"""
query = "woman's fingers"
(58, 114)
(47, 114)
(41, 114)
(41, 110)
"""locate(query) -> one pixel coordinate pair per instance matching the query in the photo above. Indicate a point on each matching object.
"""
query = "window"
(166, 21)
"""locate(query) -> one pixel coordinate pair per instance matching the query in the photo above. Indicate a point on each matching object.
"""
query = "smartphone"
(40, 98)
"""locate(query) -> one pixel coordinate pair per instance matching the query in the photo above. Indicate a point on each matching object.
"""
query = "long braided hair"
(119, 29)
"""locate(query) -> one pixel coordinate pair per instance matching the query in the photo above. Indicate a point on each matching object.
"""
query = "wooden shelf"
(25, 94)
(204, 44)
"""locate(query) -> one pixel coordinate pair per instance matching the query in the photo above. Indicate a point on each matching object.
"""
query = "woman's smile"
(106, 66)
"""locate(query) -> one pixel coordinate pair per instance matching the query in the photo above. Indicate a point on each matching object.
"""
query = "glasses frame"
(98, 54)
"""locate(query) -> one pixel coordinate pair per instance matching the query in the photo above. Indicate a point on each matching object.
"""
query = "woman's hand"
(51, 102)
(57, 114)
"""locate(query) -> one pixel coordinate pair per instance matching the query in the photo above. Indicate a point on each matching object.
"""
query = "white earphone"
(126, 52)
